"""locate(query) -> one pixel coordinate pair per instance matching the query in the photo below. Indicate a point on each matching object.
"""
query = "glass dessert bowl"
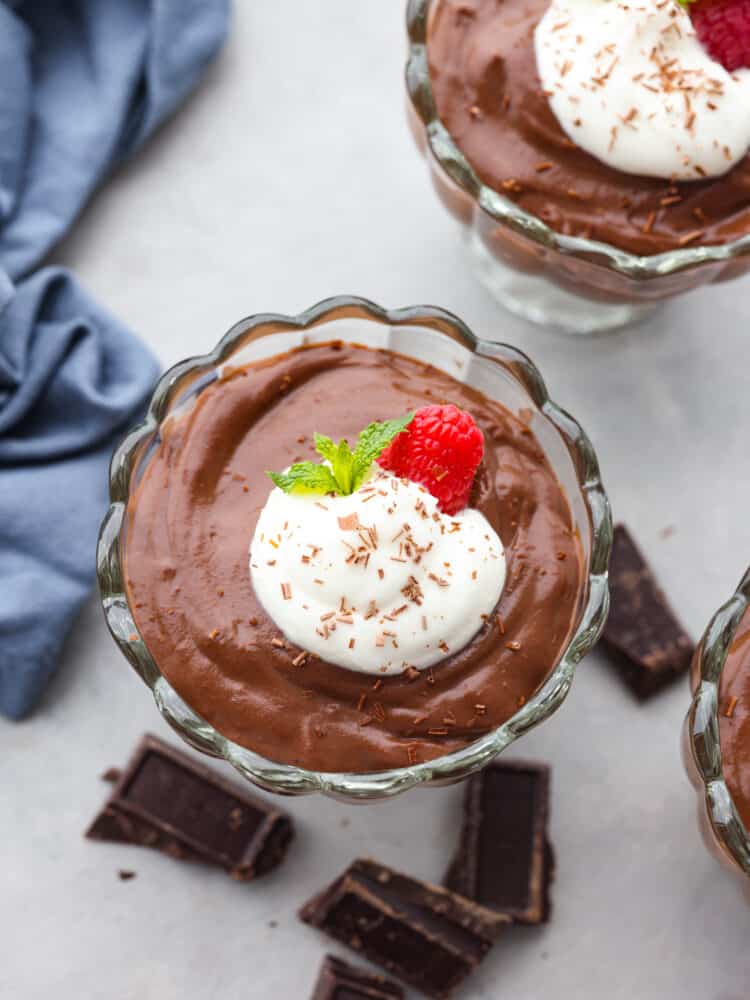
(572, 283)
(716, 762)
(423, 343)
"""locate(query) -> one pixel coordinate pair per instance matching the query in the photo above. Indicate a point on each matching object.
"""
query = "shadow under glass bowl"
(568, 283)
(429, 335)
(723, 830)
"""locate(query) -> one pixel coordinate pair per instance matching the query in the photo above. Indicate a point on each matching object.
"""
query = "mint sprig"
(346, 469)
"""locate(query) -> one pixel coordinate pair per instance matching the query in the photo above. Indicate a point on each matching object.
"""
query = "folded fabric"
(69, 376)
(82, 84)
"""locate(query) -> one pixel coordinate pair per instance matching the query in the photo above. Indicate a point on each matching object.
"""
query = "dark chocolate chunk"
(504, 860)
(166, 800)
(112, 775)
(646, 640)
(125, 875)
(340, 981)
(424, 934)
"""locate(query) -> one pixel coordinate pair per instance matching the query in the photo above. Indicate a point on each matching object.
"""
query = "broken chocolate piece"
(168, 801)
(504, 860)
(340, 981)
(112, 775)
(422, 933)
(648, 644)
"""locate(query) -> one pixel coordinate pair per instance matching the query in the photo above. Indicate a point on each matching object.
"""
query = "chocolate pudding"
(488, 94)
(193, 515)
(734, 719)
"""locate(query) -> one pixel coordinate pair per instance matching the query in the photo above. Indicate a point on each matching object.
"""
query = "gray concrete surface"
(290, 177)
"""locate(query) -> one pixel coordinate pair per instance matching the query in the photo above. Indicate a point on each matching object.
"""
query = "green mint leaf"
(371, 442)
(340, 457)
(325, 447)
(305, 477)
(343, 467)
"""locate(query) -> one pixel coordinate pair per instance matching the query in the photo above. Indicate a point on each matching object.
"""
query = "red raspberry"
(723, 28)
(441, 449)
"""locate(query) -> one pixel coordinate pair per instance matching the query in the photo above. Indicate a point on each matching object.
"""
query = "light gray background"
(290, 177)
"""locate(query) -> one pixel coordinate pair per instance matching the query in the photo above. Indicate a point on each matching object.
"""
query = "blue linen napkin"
(82, 84)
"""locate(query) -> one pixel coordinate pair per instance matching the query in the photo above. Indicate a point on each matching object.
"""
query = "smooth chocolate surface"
(166, 800)
(489, 97)
(426, 935)
(504, 860)
(647, 642)
(186, 559)
(340, 981)
(734, 719)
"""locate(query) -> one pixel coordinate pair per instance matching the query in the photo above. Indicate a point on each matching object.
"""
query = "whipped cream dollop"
(380, 581)
(631, 84)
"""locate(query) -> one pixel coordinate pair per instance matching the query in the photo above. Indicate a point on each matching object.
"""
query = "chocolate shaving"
(349, 523)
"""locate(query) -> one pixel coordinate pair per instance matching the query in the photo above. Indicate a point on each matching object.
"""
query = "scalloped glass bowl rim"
(703, 726)
(289, 779)
(457, 167)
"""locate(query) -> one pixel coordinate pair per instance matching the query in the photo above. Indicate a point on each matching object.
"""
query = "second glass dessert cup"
(567, 283)
(721, 825)
(428, 335)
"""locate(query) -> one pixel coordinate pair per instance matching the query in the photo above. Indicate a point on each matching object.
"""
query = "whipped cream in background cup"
(432, 336)
(569, 283)
(631, 84)
(721, 827)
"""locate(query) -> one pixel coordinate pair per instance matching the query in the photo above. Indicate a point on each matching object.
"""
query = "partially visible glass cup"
(429, 335)
(721, 826)
(567, 283)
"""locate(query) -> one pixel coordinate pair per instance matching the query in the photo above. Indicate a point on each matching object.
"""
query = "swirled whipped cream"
(631, 84)
(380, 581)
